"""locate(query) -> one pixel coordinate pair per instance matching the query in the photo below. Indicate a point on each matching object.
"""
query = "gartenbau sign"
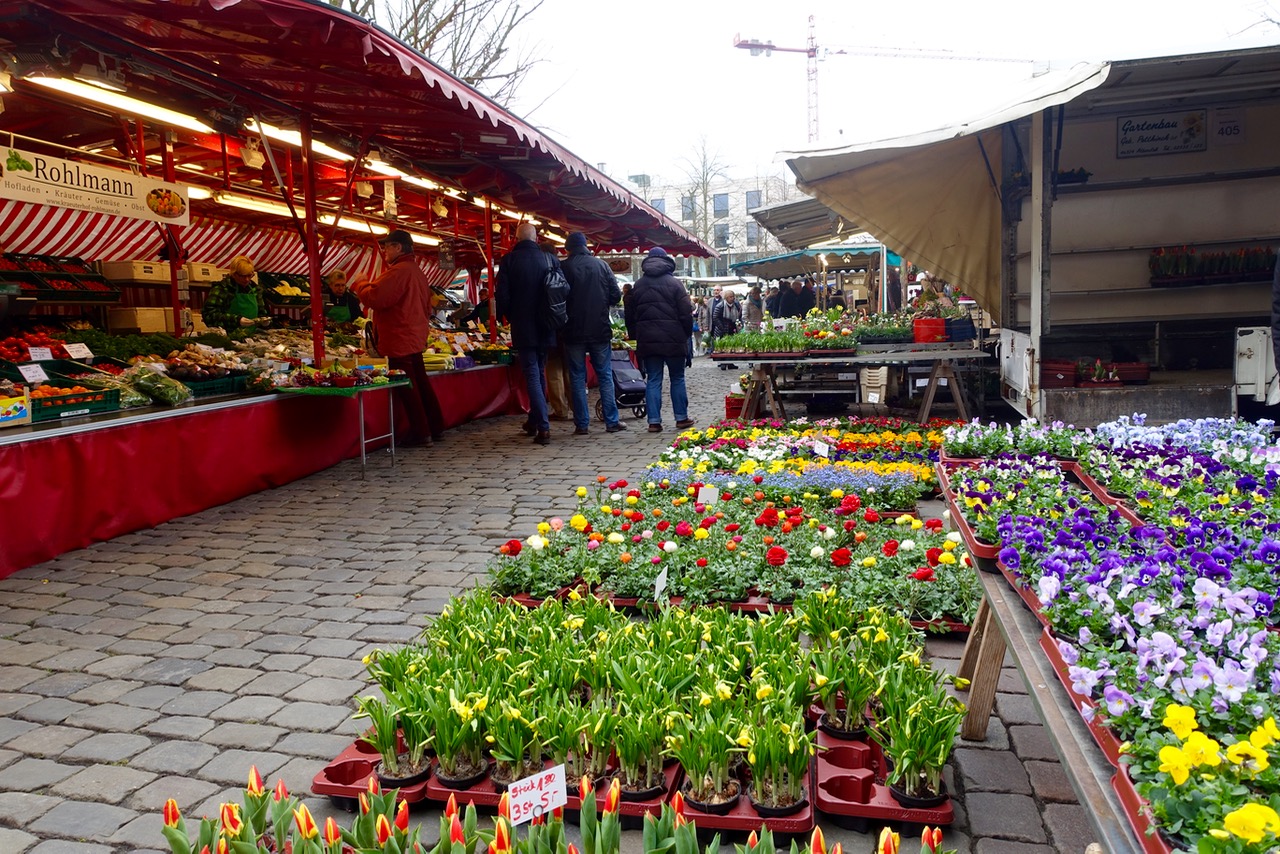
(29, 177)
(1162, 133)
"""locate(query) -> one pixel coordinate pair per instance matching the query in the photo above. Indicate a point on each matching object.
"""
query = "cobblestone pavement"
(163, 663)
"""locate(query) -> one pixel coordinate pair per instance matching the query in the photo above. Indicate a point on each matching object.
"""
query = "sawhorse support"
(762, 388)
(943, 370)
(980, 663)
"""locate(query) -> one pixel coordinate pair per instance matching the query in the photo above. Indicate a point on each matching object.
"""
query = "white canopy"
(935, 195)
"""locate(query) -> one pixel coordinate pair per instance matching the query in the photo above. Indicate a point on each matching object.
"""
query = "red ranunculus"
(851, 503)
(625, 526)
(932, 555)
(663, 525)
(684, 529)
(871, 516)
(776, 556)
(933, 525)
(758, 479)
(510, 547)
(702, 561)
(841, 557)
(924, 573)
(890, 548)
(728, 496)
(732, 526)
(709, 521)
(633, 493)
(849, 524)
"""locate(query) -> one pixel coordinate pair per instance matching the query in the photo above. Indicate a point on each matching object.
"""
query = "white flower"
(816, 552)
(953, 536)
(615, 537)
(648, 535)
(669, 546)
(617, 496)
(906, 545)
(829, 534)
(537, 542)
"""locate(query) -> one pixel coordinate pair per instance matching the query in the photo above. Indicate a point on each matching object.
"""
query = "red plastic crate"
(850, 782)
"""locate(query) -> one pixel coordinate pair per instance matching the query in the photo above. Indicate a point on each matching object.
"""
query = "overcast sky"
(634, 86)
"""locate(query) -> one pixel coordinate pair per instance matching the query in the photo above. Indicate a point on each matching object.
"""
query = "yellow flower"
(704, 699)
(581, 492)
(1202, 750)
(632, 500)
(544, 528)
(578, 522)
(744, 737)
(606, 509)
(1251, 758)
(1266, 734)
(1175, 763)
(947, 557)
(1180, 720)
(1252, 822)
(950, 546)
(868, 561)
(820, 680)
(763, 692)
(701, 534)
(837, 493)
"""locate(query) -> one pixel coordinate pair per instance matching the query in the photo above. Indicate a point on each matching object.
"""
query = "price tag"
(822, 449)
(538, 794)
(41, 354)
(660, 585)
(779, 324)
(33, 373)
(708, 495)
(922, 383)
(843, 376)
(735, 388)
(873, 397)
(79, 351)
(942, 380)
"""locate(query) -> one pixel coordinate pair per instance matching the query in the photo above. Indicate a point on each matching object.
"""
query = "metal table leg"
(363, 460)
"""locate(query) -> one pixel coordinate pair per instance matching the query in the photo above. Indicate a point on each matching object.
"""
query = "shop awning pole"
(312, 236)
(488, 259)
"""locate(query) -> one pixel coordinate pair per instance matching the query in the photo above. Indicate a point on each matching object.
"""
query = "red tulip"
(332, 833)
(504, 805)
(677, 803)
(374, 788)
(502, 835)
(888, 842)
(614, 796)
(817, 844)
(255, 787)
(558, 813)
(171, 814)
(573, 849)
(752, 839)
(456, 834)
(584, 786)
(230, 815)
(383, 830)
(224, 847)
(402, 817)
(451, 808)
(306, 824)
(838, 848)
(281, 793)
(364, 804)
(931, 839)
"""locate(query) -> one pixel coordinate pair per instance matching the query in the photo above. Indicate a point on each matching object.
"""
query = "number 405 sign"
(537, 795)
(1228, 126)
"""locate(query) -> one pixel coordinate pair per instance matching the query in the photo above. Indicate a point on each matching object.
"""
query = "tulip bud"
(677, 803)
(502, 835)
(383, 830)
(332, 833)
(374, 788)
(584, 786)
(752, 839)
(402, 817)
(306, 824)
(255, 786)
(838, 848)
(282, 793)
(504, 805)
(230, 817)
(364, 804)
(817, 844)
(558, 813)
(888, 843)
(614, 796)
(456, 834)
(573, 849)
(931, 840)
(451, 808)
(171, 814)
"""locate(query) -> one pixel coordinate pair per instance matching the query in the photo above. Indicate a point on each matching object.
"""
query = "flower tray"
(343, 779)
(743, 818)
(850, 784)
(820, 353)
(942, 626)
(1102, 734)
(1026, 594)
(977, 548)
(1138, 812)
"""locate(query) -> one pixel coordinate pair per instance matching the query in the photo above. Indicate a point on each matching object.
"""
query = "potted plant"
(385, 737)
(779, 758)
(516, 745)
(638, 742)
(703, 743)
(916, 729)
(456, 714)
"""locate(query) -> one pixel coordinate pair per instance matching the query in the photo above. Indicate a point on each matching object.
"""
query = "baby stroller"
(628, 385)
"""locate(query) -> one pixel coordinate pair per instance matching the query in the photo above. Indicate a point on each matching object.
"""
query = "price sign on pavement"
(708, 495)
(538, 794)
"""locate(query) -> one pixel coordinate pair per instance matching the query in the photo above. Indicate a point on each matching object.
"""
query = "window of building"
(722, 235)
(720, 203)
(686, 208)
(660, 205)
(753, 199)
(753, 234)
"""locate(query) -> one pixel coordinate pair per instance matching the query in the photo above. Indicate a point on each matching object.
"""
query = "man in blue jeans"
(660, 319)
(593, 288)
(519, 293)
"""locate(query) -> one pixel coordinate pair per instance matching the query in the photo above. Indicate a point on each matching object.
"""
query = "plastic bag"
(161, 388)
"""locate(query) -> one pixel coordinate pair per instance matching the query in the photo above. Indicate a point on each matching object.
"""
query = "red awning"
(228, 60)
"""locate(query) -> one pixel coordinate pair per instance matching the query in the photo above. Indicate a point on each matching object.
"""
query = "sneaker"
(543, 437)
(580, 431)
(684, 423)
(528, 428)
(655, 428)
(615, 428)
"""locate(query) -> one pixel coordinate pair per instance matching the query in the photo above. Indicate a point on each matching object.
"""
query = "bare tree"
(702, 170)
(471, 39)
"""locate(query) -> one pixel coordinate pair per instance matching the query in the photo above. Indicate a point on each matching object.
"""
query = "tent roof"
(228, 60)
(797, 224)
(807, 261)
(957, 234)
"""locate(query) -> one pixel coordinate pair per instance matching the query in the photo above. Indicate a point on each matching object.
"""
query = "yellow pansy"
(1246, 755)
(1202, 750)
(1266, 734)
(1175, 763)
(1181, 720)
(1252, 822)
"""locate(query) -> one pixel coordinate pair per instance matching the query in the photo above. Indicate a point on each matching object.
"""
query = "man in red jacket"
(401, 301)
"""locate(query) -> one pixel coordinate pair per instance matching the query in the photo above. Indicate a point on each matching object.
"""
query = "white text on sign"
(537, 794)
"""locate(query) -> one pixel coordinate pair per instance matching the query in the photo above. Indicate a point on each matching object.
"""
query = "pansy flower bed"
(1162, 621)
(657, 540)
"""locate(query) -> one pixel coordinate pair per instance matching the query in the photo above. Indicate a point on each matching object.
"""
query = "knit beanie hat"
(577, 240)
(657, 252)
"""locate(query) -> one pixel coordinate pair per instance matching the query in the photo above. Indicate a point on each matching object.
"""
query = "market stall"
(207, 151)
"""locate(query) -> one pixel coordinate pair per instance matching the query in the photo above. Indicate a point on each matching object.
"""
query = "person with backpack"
(522, 298)
(592, 289)
(660, 320)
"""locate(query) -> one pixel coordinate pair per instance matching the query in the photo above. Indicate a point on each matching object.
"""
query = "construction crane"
(758, 47)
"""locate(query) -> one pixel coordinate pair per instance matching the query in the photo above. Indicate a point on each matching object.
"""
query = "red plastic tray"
(1136, 810)
(850, 782)
(1026, 594)
(1102, 734)
(744, 818)
(348, 775)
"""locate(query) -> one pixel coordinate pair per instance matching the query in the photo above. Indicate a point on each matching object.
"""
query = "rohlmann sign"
(29, 177)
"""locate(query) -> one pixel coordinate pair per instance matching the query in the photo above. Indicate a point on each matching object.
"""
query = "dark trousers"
(419, 400)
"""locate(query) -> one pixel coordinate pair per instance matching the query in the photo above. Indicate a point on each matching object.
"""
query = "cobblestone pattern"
(165, 662)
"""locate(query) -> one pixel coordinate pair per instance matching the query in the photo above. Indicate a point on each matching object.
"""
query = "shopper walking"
(660, 320)
(712, 304)
(753, 310)
(401, 303)
(698, 305)
(727, 315)
(593, 289)
(519, 294)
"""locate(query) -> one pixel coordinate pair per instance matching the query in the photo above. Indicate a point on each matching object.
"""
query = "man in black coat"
(660, 319)
(520, 301)
(790, 299)
(593, 288)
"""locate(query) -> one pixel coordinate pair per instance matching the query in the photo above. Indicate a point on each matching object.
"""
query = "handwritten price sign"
(537, 795)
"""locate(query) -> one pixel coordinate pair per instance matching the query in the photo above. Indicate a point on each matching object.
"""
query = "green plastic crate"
(234, 384)
(74, 405)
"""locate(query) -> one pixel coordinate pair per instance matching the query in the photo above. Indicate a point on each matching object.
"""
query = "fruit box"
(156, 272)
(15, 411)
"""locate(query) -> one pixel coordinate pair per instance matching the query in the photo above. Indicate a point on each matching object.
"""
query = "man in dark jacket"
(519, 294)
(593, 288)
(660, 319)
(790, 299)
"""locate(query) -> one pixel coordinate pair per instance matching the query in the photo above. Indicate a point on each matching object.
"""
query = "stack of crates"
(874, 385)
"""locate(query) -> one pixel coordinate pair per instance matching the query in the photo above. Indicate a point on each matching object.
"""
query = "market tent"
(935, 195)
(810, 261)
(799, 224)
(226, 62)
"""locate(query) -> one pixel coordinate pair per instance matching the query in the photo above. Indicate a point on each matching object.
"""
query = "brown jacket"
(401, 300)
